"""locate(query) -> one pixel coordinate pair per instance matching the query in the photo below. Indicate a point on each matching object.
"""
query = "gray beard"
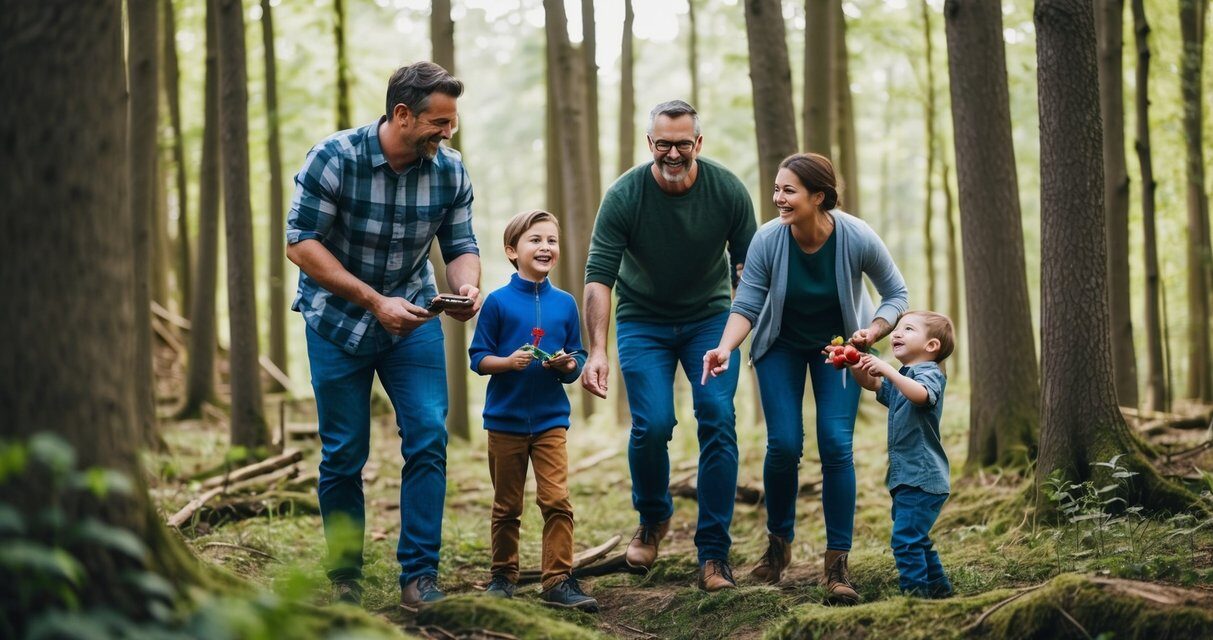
(670, 177)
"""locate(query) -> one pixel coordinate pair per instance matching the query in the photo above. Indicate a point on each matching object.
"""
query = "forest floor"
(1014, 576)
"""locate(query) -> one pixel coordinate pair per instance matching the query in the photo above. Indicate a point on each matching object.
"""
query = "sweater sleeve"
(755, 278)
(573, 345)
(484, 341)
(609, 239)
(742, 232)
(878, 264)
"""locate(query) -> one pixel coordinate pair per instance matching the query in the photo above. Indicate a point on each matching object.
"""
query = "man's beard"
(423, 148)
(675, 177)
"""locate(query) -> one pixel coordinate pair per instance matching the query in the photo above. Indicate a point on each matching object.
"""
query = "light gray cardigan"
(764, 282)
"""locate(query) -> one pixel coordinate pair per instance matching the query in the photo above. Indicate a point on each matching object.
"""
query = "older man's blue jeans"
(413, 372)
(649, 353)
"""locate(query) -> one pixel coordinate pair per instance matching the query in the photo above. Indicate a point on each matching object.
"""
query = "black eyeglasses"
(664, 146)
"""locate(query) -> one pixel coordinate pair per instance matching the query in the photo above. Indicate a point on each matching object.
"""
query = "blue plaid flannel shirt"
(379, 225)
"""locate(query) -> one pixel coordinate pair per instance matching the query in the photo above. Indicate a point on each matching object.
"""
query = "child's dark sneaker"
(568, 595)
(500, 587)
(347, 592)
(939, 589)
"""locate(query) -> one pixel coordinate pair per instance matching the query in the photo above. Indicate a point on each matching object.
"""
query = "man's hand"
(399, 316)
(520, 359)
(463, 315)
(561, 362)
(874, 366)
(715, 362)
(594, 375)
(863, 338)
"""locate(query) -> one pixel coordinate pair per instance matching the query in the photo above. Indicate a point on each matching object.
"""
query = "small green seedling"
(539, 354)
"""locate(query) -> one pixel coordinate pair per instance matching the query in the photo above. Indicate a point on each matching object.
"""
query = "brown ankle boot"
(716, 575)
(777, 558)
(839, 589)
(642, 550)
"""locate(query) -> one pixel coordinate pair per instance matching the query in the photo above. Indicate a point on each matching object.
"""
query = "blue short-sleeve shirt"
(916, 455)
(379, 224)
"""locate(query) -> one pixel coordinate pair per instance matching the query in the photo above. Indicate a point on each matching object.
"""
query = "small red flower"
(537, 334)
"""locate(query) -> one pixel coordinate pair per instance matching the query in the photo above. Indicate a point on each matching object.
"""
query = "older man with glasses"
(660, 239)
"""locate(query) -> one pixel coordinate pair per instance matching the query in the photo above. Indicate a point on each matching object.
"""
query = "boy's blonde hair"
(521, 222)
(938, 326)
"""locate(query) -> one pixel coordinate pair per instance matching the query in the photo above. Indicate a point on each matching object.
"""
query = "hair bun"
(831, 198)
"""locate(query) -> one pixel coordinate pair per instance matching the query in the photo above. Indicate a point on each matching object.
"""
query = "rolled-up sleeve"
(455, 236)
(755, 278)
(314, 204)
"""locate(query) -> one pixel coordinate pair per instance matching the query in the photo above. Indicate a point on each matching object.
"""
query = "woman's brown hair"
(816, 173)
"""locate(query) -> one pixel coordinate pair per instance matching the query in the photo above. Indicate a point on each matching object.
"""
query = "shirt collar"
(526, 286)
(375, 150)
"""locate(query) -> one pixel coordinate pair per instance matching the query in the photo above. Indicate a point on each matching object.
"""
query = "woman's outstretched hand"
(715, 362)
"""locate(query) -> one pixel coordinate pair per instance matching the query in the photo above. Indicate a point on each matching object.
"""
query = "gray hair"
(673, 109)
(411, 85)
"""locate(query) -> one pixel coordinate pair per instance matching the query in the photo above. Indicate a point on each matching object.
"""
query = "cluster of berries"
(840, 354)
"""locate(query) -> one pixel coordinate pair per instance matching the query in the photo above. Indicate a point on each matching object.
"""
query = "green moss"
(696, 614)
(899, 617)
(516, 617)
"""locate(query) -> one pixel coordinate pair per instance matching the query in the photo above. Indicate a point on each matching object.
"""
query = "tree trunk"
(954, 267)
(200, 370)
(1200, 377)
(458, 422)
(1156, 390)
(277, 234)
(1004, 411)
(248, 420)
(589, 48)
(74, 379)
(172, 89)
(1109, 25)
(692, 46)
(1080, 421)
(627, 89)
(928, 179)
(844, 113)
(771, 77)
(143, 115)
(343, 66)
(817, 53)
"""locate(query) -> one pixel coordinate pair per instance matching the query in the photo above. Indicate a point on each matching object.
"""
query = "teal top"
(812, 315)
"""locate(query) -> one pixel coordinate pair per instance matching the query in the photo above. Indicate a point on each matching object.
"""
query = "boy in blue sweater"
(526, 411)
(918, 467)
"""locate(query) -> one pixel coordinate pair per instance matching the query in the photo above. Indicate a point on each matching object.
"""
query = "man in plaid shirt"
(368, 203)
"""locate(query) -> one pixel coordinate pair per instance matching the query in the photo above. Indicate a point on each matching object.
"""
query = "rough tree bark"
(1156, 390)
(1080, 421)
(627, 89)
(343, 82)
(200, 369)
(1004, 412)
(929, 178)
(248, 428)
(74, 379)
(692, 46)
(1200, 375)
(817, 52)
(172, 90)
(589, 48)
(458, 422)
(1109, 26)
(844, 112)
(954, 266)
(143, 116)
(277, 234)
(771, 77)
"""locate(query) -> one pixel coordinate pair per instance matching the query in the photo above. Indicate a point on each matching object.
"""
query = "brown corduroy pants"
(508, 457)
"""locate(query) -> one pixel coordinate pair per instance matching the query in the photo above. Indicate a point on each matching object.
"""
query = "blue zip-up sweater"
(532, 400)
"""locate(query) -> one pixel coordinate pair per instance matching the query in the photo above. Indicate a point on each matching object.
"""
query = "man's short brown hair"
(519, 224)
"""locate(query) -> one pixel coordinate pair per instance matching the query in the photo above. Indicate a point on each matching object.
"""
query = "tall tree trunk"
(160, 257)
(1192, 26)
(954, 267)
(143, 116)
(1156, 390)
(343, 67)
(200, 371)
(74, 378)
(458, 422)
(172, 89)
(692, 46)
(771, 77)
(566, 83)
(1109, 26)
(589, 48)
(248, 420)
(1080, 421)
(844, 112)
(277, 234)
(817, 53)
(1004, 411)
(627, 90)
(928, 178)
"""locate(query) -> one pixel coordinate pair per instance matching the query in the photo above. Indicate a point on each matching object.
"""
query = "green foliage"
(516, 617)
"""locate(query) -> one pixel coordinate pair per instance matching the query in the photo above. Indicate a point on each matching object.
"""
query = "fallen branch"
(614, 564)
(583, 559)
(746, 494)
(290, 456)
(167, 336)
(228, 545)
(187, 512)
(281, 378)
(168, 316)
(988, 612)
(275, 502)
(593, 461)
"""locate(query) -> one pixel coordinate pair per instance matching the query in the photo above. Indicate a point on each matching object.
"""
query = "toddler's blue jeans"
(914, 513)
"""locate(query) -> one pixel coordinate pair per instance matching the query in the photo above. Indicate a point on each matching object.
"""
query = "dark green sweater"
(666, 252)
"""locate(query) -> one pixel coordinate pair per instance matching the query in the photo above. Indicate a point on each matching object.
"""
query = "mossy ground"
(987, 537)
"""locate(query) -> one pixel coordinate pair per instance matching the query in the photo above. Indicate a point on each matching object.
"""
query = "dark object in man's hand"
(446, 301)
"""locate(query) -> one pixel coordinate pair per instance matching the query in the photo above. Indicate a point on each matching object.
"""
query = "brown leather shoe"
(642, 550)
(419, 593)
(716, 575)
(839, 589)
(777, 558)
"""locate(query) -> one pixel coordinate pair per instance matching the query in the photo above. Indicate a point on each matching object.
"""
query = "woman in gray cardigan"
(803, 285)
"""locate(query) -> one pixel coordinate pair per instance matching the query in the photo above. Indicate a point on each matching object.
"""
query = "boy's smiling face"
(910, 341)
(537, 251)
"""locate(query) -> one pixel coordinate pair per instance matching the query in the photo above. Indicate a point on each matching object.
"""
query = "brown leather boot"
(716, 575)
(839, 589)
(777, 558)
(642, 550)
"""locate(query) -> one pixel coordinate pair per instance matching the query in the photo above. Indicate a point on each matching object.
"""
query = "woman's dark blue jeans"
(781, 381)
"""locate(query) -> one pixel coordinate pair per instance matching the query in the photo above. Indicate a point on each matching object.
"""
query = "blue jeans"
(914, 513)
(648, 355)
(781, 380)
(413, 371)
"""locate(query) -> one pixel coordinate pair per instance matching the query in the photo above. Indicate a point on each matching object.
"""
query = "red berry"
(851, 354)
